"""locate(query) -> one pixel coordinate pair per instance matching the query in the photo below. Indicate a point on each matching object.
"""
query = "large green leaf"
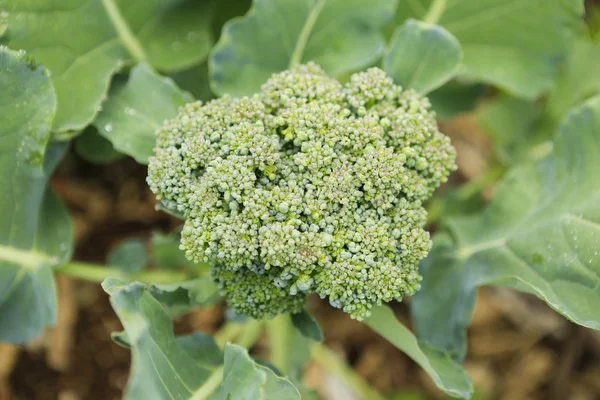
(339, 35)
(578, 79)
(161, 368)
(166, 367)
(513, 44)
(83, 43)
(180, 298)
(422, 56)
(95, 148)
(446, 373)
(511, 122)
(541, 231)
(35, 230)
(455, 98)
(132, 114)
(243, 379)
(521, 128)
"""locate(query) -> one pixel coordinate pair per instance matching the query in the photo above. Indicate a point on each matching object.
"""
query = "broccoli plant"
(310, 186)
(297, 147)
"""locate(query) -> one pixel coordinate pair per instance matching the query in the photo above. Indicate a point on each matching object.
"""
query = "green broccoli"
(310, 186)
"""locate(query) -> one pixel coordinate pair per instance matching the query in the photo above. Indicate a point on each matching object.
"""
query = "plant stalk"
(127, 37)
(97, 273)
(279, 335)
(435, 12)
(331, 362)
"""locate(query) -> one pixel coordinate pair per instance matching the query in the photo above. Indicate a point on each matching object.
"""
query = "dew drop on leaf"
(108, 127)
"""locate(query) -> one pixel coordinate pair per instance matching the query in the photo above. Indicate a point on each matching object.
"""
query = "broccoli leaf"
(422, 56)
(35, 230)
(511, 123)
(161, 368)
(129, 255)
(506, 43)
(521, 128)
(455, 98)
(542, 230)
(244, 379)
(577, 81)
(339, 35)
(94, 148)
(308, 326)
(179, 298)
(446, 373)
(133, 113)
(84, 42)
(166, 367)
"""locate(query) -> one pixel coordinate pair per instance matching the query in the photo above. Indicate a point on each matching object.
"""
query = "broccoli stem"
(435, 12)
(127, 37)
(279, 334)
(97, 273)
(296, 57)
(331, 362)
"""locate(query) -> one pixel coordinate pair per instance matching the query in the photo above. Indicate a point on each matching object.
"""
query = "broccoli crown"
(309, 186)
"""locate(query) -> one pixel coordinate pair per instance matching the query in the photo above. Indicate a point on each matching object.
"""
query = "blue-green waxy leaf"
(179, 298)
(200, 346)
(542, 230)
(308, 326)
(243, 379)
(188, 367)
(510, 122)
(447, 374)
(514, 44)
(95, 148)
(339, 35)
(455, 98)
(132, 114)
(161, 368)
(84, 42)
(129, 255)
(35, 229)
(577, 81)
(422, 56)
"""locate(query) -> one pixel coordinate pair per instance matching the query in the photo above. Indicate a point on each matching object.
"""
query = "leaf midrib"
(28, 259)
(305, 32)
(128, 39)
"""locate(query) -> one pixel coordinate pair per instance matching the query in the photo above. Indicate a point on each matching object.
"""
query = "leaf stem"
(245, 334)
(305, 32)
(210, 385)
(127, 37)
(435, 12)
(97, 273)
(279, 335)
(229, 331)
(331, 362)
(250, 333)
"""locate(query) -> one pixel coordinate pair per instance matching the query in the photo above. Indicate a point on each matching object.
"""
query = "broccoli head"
(310, 186)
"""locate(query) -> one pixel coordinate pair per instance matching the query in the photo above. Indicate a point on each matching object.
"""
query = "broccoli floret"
(310, 186)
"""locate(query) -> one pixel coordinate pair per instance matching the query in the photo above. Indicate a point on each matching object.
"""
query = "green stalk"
(435, 12)
(211, 384)
(331, 362)
(97, 273)
(245, 335)
(305, 33)
(127, 37)
(279, 330)
(250, 333)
